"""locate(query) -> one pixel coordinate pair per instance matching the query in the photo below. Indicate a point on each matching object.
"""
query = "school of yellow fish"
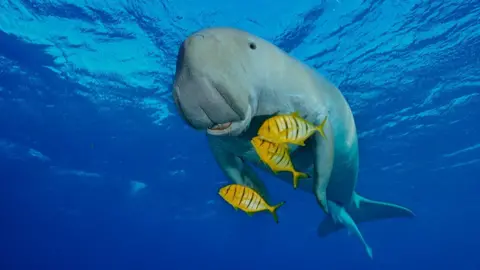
(271, 145)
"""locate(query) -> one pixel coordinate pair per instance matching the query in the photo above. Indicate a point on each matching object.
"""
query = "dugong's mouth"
(221, 129)
(221, 126)
(232, 128)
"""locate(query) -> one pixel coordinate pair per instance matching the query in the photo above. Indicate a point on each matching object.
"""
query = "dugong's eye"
(252, 45)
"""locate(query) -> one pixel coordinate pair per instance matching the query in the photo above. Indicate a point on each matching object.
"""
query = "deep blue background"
(86, 85)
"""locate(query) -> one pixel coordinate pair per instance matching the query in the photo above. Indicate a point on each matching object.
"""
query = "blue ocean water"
(98, 171)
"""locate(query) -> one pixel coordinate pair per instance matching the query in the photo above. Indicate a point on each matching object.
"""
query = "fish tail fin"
(365, 210)
(321, 127)
(297, 176)
(273, 210)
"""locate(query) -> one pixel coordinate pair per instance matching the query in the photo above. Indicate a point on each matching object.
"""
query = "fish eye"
(252, 45)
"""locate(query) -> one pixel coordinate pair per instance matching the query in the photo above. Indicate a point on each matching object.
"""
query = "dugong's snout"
(207, 90)
(202, 105)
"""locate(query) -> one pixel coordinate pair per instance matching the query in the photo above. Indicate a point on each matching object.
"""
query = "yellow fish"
(276, 156)
(290, 128)
(247, 200)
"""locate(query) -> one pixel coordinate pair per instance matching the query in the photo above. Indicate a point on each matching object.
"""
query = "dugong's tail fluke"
(364, 210)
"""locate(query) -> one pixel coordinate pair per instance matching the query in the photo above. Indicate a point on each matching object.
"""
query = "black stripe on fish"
(276, 124)
(241, 197)
(234, 194)
(284, 122)
(250, 199)
(261, 142)
(226, 191)
(287, 128)
(281, 159)
(257, 202)
(298, 127)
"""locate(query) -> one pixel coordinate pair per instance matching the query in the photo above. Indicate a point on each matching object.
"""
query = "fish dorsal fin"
(295, 114)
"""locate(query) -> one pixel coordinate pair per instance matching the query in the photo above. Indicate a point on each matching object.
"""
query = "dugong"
(228, 81)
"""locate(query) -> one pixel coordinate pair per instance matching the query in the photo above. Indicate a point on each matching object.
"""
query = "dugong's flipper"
(341, 217)
(323, 163)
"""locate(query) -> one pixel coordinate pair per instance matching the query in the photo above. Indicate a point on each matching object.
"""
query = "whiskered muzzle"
(202, 106)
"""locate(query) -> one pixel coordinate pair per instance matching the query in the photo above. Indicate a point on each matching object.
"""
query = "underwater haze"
(99, 171)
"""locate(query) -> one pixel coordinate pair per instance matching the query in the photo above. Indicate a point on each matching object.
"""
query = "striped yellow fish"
(276, 156)
(290, 128)
(247, 200)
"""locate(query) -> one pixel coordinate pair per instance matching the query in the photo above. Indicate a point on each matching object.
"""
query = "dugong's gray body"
(228, 81)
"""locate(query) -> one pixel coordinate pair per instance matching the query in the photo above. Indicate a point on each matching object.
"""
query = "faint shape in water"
(61, 171)
(398, 164)
(136, 186)
(20, 152)
(178, 157)
(37, 154)
(176, 172)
